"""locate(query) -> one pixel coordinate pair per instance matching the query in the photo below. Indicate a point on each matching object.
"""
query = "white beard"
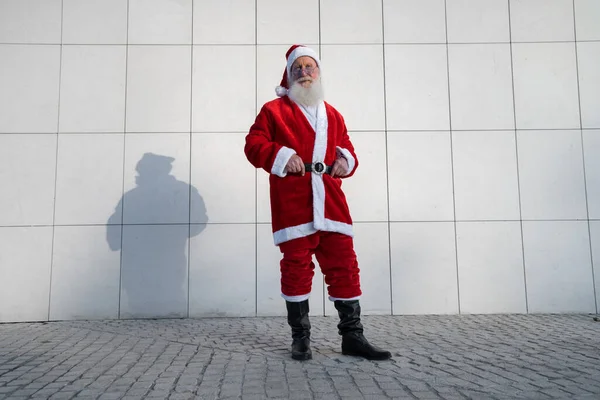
(310, 96)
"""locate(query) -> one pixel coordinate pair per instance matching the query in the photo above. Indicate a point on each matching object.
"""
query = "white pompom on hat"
(294, 52)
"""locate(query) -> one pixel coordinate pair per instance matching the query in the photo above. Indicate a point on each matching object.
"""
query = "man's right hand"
(295, 165)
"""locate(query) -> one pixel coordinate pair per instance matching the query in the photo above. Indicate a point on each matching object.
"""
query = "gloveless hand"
(295, 165)
(340, 167)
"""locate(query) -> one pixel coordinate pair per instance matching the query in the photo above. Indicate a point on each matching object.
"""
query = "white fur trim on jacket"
(341, 152)
(293, 232)
(318, 187)
(339, 227)
(298, 231)
(283, 156)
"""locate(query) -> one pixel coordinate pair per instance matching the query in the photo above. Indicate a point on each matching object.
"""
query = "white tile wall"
(372, 246)
(270, 64)
(591, 147)
(365, 110)
(277, 22)
(551, 174)
(154, 271)
(351, 21)
(94, 21)
(158, 88)
(490, 267)
(153, 196)
(587, 14)
(215, 154)
(268, 278)
(223, 88)
(434, 126)
(558, 266)
(416, 93)
(224, 22)
(414, 158)
(481, 86)
(89, 178)
(474, 21)
(160, 21)
(485, 175)
(223, 272)
(414, 21)
(29, 77)
(366, 190)
(541, 20)
(545, 80)
(588, 57)
(423, 260)
(27, 171)
(32, 21)
(595, 242)
(92, 93)
(25, 259)
(85, 274)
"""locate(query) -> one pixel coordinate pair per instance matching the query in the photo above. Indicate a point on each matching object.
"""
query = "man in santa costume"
(303, 143)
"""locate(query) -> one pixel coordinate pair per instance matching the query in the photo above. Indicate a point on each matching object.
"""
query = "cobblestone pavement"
(434, 357)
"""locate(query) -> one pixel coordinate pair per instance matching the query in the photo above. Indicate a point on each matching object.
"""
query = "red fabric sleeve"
(347, 145)
(343, 144)
(260, 149)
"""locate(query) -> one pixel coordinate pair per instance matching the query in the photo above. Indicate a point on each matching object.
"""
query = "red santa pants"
(336, 257)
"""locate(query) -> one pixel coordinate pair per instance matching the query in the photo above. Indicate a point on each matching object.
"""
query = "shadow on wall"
(154, 265)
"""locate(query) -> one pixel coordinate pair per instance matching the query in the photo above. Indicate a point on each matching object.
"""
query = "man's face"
(305, 71)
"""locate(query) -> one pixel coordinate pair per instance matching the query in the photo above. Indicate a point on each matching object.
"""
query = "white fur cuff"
(346, 154)
(283, 156)
(296, 299)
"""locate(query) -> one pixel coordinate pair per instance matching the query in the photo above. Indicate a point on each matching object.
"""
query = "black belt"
(318, 167)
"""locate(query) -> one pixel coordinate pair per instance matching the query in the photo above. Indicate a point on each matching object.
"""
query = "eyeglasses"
(297, 72)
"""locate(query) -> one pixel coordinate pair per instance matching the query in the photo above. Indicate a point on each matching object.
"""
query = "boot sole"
(377, 358)
(302, 357)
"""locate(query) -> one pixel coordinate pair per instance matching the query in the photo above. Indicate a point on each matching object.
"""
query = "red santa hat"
(294, 52)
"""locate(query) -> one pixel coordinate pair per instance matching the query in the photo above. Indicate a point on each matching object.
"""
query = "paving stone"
(442, 357)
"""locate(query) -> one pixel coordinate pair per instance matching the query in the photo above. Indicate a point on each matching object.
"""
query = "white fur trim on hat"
(299, 52)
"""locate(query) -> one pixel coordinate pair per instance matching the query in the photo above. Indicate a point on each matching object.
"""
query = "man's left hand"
(340, 167)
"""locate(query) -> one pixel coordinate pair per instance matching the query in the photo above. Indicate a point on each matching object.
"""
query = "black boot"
(353, 341)
(298, 321)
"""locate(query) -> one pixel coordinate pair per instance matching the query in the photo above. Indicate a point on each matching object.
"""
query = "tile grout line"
(56, 159)
(587, 207)
(358, 222)
(255, 169)
(324, 308)
(124, 157)
(191, 138)
(452, 156)
(387, 161)
(391, 131)
(284, 44)
(512, 76)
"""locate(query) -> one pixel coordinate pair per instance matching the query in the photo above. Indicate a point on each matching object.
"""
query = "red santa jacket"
(302, 205)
